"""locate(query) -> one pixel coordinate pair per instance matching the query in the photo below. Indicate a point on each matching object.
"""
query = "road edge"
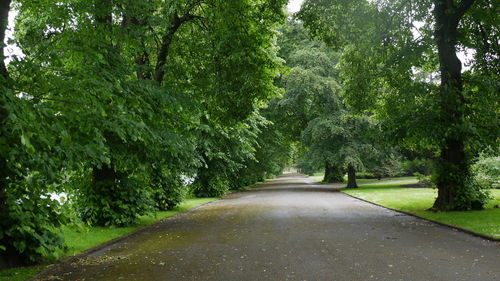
(109, 243)
(458, 228)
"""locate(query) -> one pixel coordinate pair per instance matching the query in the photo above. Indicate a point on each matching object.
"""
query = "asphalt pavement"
(289, 228)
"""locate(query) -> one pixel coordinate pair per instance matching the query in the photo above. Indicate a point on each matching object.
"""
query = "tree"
(30, 156)
(96, 108)
(238, 84)
(311, 90)
(386, 45)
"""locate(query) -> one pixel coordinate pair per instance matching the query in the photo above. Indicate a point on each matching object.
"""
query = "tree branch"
(461, 9)
(175, 24)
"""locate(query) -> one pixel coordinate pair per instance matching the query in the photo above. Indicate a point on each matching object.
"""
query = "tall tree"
(311, 90)
(453, 164)
(386, 43)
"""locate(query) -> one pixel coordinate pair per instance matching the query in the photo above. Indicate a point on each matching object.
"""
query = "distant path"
(291, 229)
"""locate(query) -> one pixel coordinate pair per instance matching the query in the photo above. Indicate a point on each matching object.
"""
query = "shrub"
(168, 190)
(29, 224)
(474, 196)
(410, 167)
(209, 184)
(117, 202)
(486, 171)
(390, 167)
(424, 179)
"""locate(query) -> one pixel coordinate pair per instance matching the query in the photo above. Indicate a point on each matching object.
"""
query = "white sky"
(11, 49)
(294, 5)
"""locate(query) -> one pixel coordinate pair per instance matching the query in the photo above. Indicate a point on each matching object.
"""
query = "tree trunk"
(104, 174)
(332, 174)
(452, 164)
(351, 177)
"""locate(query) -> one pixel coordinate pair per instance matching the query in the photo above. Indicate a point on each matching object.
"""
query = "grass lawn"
(318, 177)
(418, 200)
(79, 241)
(383, 179)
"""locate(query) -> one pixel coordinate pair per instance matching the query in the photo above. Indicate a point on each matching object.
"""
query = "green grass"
(318, 177)
(384, 179)
(20, 274)
(418, 200)
(79, 241)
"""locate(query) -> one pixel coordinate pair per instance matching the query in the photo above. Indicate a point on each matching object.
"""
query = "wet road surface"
(290, 229)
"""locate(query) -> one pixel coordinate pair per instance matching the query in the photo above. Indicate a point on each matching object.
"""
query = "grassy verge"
(318, 177)
(418, 200)
(79, 241)
(384, 179)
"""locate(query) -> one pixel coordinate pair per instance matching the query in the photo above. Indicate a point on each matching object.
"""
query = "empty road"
(289, 229)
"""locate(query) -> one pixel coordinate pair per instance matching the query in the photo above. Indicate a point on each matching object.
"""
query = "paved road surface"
(291, 229)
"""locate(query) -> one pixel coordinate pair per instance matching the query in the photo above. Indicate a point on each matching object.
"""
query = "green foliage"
(306, 166)
(113, 202)
(473, 196)
(486, 171)
(210, 184)
(168, 190)
(390, 167)
(124, 86)
(365, 175)
(416, 165)
(404, 76)
(423, 179)
(29, 225)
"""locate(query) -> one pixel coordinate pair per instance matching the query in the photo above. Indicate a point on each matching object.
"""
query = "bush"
(29, 224)
(390, 167)
(209, 185)
(117, 202)
(168, 190)
(244, 178)
(486, 171)
(474, 196)
(421, 166)
(424, 179)
(306, 167)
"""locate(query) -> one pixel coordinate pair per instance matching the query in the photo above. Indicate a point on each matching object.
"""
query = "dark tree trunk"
(332, 174)
(351, 177)
(452, 164)
(104, 174)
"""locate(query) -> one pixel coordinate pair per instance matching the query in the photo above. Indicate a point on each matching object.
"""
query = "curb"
(458, 228)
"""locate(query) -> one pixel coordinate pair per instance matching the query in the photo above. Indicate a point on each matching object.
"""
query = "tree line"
(120, 104)
(126, 107)
(398, 66)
